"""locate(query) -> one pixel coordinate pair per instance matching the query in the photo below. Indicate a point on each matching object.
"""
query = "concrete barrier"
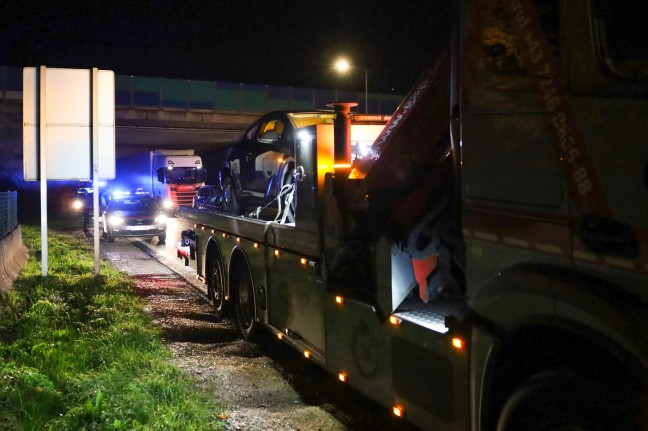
(13, 256)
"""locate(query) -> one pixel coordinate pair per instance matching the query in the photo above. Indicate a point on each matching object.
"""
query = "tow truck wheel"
(162, 237)
(216, 284)
(230, 200)
(244, 304)
(559, 401)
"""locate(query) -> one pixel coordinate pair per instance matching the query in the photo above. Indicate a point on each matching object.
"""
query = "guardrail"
(13, 254)
(8, 213)
(215, 96)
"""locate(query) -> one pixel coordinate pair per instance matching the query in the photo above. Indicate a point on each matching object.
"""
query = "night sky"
(274, 42)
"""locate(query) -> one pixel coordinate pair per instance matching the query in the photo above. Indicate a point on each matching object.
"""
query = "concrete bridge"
(172, 113)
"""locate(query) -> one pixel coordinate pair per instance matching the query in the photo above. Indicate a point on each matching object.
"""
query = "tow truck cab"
(484, 267)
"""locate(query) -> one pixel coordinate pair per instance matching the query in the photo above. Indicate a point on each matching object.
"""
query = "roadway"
(163, 252)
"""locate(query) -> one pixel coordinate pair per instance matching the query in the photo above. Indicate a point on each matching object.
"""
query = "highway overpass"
(173, 113)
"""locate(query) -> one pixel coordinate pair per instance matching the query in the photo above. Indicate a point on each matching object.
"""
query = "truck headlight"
(161, 219)
(77, 204)
(167, 203)
(115, 220)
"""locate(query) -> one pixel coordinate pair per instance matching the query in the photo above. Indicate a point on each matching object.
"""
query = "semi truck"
(484, 266)
(170, 176)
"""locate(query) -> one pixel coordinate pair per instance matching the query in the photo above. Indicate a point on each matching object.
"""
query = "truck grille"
(184, 198)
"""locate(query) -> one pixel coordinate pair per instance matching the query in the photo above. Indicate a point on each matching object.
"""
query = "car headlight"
(167, 203)
(77, 204)
(115, 220)
(161, 219)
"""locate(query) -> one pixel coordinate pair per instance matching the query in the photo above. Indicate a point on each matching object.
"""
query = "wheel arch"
(558, 345)
(545, 317)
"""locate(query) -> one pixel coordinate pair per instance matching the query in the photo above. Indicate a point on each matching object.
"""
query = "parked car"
(255, 170)
(134, 215)
(208, 197)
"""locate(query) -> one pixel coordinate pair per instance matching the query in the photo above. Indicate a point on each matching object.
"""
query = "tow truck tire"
(245, 302)
(162, 237)
(216, 284)
(231, 203)
(108, 237)
(559, 401)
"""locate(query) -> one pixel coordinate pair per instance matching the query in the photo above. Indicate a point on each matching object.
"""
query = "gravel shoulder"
(264, 385)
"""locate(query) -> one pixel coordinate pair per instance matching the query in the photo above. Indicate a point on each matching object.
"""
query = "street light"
(342, 65)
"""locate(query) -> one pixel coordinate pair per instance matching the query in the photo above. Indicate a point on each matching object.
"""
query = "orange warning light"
(342, 376)
(458, 343)
(398, 411)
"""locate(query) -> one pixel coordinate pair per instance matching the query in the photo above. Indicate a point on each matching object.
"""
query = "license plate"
(140, 227)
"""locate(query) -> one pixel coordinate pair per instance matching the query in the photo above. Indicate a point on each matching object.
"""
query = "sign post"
(68, 133)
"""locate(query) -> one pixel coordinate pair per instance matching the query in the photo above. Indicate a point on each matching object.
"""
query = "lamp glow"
(458, 343)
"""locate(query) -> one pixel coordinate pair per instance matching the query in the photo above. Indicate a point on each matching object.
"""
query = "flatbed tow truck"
(484, 267)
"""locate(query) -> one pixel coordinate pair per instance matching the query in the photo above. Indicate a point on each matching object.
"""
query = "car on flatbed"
(258, 168)
(208, 197)
(133, 216)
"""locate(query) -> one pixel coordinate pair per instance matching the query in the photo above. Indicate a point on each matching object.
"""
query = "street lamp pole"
(366, 93)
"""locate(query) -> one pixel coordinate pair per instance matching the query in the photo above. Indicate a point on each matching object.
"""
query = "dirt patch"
(265, 385)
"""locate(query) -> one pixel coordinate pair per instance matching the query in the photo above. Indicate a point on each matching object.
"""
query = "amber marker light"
(339, 300)
(398, 411)
(213, 231)
(256, 245)
(307, 354)
(224, 235)
(394, 320)
(342, 376)
(280, 335)
(276, 253)
(458, 343)
(238, 239)
(203, 228)
(303, 261)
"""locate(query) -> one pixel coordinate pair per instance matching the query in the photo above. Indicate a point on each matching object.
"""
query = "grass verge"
(78, 351)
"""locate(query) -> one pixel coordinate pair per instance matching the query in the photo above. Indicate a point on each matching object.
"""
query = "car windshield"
(305, 119)
(133, 205)
(204, 191)
(185, 175)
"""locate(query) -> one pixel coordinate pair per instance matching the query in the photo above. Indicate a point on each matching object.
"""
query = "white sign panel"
(66, 113)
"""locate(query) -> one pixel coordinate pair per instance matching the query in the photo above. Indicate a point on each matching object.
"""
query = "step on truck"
(484, 267)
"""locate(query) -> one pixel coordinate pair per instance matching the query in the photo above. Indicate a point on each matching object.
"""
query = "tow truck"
(484, 266)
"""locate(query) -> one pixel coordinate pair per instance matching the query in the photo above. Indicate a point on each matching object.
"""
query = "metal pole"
(366, 93)
(342, 134)
(42, 143)
(95, 164)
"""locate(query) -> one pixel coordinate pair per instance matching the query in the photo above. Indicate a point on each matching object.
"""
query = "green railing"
(212, 96)
(8, 213)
